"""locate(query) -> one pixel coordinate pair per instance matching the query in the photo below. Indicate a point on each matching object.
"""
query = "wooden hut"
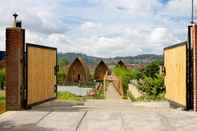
(101, 70)
(78, 72)
(121, 64)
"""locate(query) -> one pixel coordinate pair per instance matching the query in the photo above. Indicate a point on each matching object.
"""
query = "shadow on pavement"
(61, 106)
(10, 126)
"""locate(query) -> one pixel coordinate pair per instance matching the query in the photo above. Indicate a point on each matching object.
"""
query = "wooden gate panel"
(175, 59)
(41, 77)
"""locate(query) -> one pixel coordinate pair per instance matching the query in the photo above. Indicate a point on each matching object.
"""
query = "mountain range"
(139, 59)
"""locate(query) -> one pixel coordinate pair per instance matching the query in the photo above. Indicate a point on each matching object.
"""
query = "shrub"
(2, 78)
(126, 75)
(152, 87)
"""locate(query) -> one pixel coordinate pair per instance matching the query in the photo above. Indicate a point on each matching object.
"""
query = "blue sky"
(104, 28)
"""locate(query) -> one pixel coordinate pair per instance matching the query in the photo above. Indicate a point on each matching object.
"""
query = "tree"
(63, 61)
(152, 69)
(61, 75)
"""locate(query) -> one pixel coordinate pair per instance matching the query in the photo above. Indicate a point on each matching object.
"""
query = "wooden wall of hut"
(78, 72)
(101, 71)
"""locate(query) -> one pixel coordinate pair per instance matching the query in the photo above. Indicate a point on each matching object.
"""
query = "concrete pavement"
(99, 115)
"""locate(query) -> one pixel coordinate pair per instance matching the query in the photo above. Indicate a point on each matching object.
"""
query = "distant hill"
(139, 59)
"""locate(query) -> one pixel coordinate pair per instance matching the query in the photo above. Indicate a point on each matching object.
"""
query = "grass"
(146, 98)
(67, 96)
(2, 101)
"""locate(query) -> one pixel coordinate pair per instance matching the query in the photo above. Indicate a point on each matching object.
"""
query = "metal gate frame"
(25, 91)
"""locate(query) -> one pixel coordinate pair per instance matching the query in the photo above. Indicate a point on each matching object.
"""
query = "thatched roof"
(78, 71)
(101, 71)
(121, 64)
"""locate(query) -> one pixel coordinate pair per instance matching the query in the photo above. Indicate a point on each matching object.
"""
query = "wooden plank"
(41, 76)
(175, 78)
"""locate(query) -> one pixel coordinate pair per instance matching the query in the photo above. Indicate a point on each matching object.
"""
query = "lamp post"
(15, 16)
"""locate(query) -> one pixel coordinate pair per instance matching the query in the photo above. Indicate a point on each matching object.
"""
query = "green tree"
(152, 69)
(61, 75)
(63, 61)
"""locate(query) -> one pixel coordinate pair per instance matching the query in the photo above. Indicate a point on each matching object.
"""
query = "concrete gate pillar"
(194, 44)
(15, 42)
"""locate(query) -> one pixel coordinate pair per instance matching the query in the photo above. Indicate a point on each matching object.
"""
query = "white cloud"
(109, 28)
(179, 8)
(161, 36)
(136, 7)
(89, 26)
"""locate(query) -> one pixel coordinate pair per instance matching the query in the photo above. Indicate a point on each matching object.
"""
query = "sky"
(104, 28)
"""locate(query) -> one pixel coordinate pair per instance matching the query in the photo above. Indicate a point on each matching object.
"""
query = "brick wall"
(194, 44)
(14, 67)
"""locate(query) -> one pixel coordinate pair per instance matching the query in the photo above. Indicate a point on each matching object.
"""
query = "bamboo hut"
(101, 70)
(78, 72)
(121, 64)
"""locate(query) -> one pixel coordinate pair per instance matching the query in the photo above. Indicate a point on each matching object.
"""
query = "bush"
(152, 87)
(126, 75)
(2, 78)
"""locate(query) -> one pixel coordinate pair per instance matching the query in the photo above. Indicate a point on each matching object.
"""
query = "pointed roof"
(121, 64)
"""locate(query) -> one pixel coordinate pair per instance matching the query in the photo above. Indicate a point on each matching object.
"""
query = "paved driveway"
(99, 116)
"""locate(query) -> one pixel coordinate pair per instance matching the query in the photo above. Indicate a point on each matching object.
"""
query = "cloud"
(136, 7)
(37, 16)
(179, 8)
(90, 26)
(100, 27)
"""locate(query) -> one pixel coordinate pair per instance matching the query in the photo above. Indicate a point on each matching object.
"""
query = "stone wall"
(134, 90)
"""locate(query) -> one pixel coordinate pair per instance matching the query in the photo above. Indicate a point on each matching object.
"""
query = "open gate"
(178, 86)
(41, 81)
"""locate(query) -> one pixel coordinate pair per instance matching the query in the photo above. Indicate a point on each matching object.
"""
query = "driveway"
(99, 115)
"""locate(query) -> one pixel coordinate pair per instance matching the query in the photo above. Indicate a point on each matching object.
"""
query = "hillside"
(139, 59)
